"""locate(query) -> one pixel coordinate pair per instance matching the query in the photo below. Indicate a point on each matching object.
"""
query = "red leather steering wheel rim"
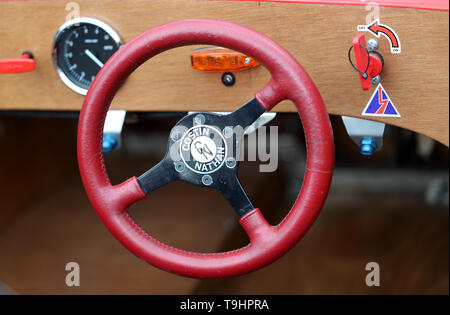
(289, 81)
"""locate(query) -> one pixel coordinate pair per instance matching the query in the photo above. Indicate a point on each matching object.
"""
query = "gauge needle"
(95, 59)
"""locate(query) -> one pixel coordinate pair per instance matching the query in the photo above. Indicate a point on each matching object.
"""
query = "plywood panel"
(317, 35)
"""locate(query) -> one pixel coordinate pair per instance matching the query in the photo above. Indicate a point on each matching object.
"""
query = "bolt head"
(376, 80)
(207, 180)
(372, 44)
(227, 132)
(179, 166)
(228, 79)
(199, 119)
(175, 135)
(230, 162)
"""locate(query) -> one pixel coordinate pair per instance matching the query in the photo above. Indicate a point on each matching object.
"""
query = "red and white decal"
(377, 29)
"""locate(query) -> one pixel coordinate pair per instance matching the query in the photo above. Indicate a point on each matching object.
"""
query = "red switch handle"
(368, 64)
(24, 63)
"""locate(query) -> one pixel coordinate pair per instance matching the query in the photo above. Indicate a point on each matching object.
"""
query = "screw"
(375, 80)
(227, 132)
(29, 53)
(207, 180)
(247, 60)
(109, 143)
(199, 119)
(230, 162)
(176, 134)
(368, 145)
(228, 79)
(372, 44)
(179, 166)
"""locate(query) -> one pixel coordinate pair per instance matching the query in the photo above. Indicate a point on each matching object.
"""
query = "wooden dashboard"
(319, 36)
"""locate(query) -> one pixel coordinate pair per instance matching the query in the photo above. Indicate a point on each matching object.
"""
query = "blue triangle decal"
(380, 104)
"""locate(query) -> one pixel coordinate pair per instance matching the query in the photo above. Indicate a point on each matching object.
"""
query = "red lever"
(368, 64)
(24, 63)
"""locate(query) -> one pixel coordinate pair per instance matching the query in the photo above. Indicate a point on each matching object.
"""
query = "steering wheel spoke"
(123, 195)
(232, 190)
(257, 227)
(245, 115)
(159, 175)
(270, 95)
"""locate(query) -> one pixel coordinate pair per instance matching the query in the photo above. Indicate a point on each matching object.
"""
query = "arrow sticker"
(377, 29)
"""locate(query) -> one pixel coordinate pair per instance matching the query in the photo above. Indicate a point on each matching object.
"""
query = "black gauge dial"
(81, 48)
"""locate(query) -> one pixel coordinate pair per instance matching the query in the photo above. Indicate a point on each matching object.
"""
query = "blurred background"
(390, 208)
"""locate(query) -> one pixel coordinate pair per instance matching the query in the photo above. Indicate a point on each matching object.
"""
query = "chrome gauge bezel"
(67, 27)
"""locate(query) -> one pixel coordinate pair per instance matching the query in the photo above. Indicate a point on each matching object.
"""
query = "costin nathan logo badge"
(203, 149)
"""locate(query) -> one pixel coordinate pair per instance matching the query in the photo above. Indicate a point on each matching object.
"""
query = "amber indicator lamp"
(218, 59)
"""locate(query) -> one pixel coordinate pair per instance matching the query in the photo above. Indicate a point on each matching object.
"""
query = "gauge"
(80, 49)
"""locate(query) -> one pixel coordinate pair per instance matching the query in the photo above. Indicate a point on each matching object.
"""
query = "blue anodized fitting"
(368, 145)
(109, 143)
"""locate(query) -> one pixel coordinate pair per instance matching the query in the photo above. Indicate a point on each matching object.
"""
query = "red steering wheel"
(288, 81)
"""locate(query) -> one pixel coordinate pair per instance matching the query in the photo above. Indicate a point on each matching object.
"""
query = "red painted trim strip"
(440, 5)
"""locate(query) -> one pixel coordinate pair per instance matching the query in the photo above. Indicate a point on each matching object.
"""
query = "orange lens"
(221, 60)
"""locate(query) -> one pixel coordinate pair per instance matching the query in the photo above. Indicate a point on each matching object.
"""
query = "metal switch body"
(367, 134)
